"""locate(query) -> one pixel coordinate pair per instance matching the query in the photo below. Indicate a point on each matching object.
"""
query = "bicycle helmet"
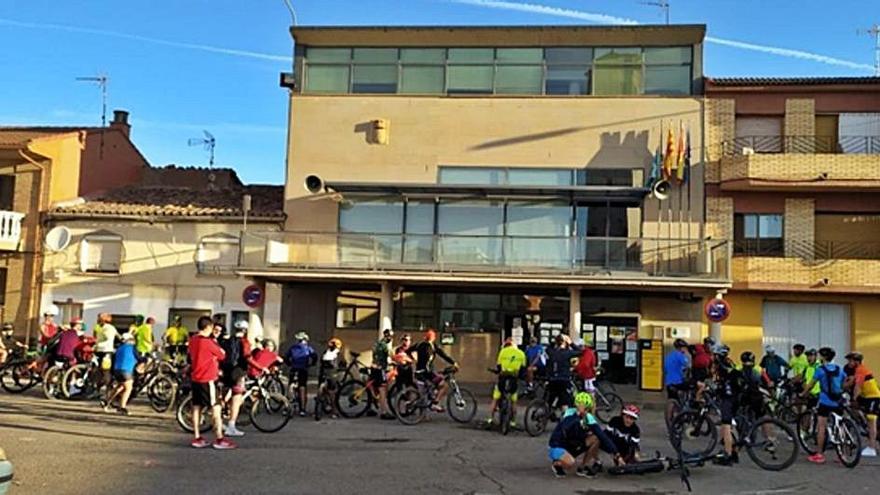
(769, 349)
(827, 353)
(631, 410)
(709, 341)
(810, 352)
(241, 325)
(855, 356)
(388, 332)
(269, 345)
(583, 399)
(127, 337)
(335, 342)
(679, 343)
(798, 347)
(301, 335)
(51, 310)
(747, 358)
(721, 350)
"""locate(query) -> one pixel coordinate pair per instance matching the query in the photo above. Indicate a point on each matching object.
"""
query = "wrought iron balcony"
(745, 145)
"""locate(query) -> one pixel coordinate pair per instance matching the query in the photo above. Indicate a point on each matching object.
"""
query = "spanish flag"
(670, 156)
(680, 155)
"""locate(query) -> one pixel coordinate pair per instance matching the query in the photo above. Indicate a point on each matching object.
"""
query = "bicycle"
(356, 397)
(184, 409)
(414, 401)
(53, 377)
(539, 413)
(696, 425)
(841, 432)
(19, 372)
(505, 404)
(83, 381)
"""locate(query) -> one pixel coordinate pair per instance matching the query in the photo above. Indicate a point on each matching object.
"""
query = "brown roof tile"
(163, 201)
(790, 81)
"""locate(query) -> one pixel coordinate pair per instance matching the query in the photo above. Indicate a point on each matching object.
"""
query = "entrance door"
(812, 324)
(616, 343)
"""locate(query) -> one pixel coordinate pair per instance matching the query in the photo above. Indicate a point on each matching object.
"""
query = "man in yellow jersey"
(143, 334)
(798, 363)
(175, 338)
(511, 360)
(866, 394)
(812, 366)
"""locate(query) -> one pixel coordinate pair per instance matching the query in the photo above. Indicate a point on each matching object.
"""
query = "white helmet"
(241, 325)
(51, 310)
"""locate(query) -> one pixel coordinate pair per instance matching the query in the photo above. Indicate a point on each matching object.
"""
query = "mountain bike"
(504, 407)
(413, 403)
(19, 373)
(841, 432)
(83, 381)
(539, 413)
(356, 397)
(696, 428)
(53, 378)
(184, 409)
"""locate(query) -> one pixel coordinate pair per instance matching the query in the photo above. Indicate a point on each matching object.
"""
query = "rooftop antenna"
(208, 142)
(292, 12)
(875, 33)
(664, 6)
(101, 80)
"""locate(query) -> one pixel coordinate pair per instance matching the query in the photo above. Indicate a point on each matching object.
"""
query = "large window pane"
(472, 175)
(751, 226)
(574, 56)
(617, 80)
(619, 54)
(668, 55)
(327, 79)
(372, 217)
(470, 79)
(519, 55)
(668, 80)
(539, 177)
(422, 79)
(518, 79)
(419, 244)
(567, 80)
(539, 234)
(470, 232)
(605, 177)
(375, 55)
(374, 79)
(471, 55)
(328, 55)
(770, 226)
(423, 55)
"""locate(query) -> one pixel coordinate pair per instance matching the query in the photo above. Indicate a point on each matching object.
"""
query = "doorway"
(616, 341)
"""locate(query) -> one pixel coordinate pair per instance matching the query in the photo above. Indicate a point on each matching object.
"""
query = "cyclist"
(403, 360)
(234, 366)
(379, 370)
(866, 395)
(48, 329)
(625, 433)
(143, 334)
(830, 377)
(123, 375)
(797, 363)
(730, 386)
(536, 357)
(205, 355)
(701, 364)
(68, 341)
(511, 361)
(425, 353)
(8, 343)
(809, 373)
(586, 369)
(675, 368)
(578, 433)
(774, 365)
(175, 338)
(329, 366)
(106, 336)
(559, 372)
(264, 358)
(300, 357)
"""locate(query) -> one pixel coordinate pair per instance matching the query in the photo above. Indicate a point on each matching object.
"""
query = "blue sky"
(180, 66)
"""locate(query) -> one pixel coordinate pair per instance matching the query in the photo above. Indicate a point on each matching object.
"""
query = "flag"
(687, 158)
(657, 162)
(679, 158)
(669, 155)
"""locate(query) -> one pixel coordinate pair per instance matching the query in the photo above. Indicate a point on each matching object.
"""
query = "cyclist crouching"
(578, 434)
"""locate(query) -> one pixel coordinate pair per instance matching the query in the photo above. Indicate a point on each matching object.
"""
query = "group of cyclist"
(809, 373)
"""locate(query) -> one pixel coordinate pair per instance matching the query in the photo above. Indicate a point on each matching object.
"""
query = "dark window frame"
(759, 245)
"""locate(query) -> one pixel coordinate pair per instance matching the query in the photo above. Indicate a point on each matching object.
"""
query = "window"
(758, 234)
(357, 309)
(539, 232)
(519, 71)
(668, 71)
(217, 253)
(471, 232)
(122, 322)
(568, 71)
(617, 71)
(423, 70)
(472, 175)
(381, 222)
(375, 70)
(506, 176)
(68, 310)
(7, 192)
(605, 177)
(328, 70)
(101, 253)
(419, 241)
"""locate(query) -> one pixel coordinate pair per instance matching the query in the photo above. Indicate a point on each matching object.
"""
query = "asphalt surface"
(75, 448)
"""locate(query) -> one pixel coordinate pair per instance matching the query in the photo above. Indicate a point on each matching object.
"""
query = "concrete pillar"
(715, 327)
(574, 312)
(386, 307)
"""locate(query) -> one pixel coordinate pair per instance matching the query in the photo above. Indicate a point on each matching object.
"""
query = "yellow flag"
(670, 157)
(679, 162)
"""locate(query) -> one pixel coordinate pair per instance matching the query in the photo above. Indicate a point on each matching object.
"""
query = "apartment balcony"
(801, 163)
(10, 230)
(831, 266)
(670, 263)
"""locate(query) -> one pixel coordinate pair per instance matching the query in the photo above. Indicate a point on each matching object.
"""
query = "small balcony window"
(758, 234)
(101, 253)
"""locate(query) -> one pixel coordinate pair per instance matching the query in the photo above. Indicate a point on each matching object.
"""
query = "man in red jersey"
(205, 355)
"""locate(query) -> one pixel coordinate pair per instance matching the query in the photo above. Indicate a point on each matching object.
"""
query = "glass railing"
(501, 254)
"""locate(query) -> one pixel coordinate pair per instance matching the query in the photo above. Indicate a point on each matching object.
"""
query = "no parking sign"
(252, 296)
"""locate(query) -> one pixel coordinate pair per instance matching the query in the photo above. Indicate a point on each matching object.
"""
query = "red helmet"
(631, 410)
(430, 335)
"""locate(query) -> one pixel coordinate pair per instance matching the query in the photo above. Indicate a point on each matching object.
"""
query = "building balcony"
(830, 266)
(10, 230)
(492, 259)
(801, 163)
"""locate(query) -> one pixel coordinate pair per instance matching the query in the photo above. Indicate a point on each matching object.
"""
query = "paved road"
(70, 448)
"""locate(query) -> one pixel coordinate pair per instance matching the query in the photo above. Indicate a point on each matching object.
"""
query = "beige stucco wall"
(158, 272)
(65, 152)
(329, 137)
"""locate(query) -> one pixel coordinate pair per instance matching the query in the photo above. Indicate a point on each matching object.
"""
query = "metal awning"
(614, 194)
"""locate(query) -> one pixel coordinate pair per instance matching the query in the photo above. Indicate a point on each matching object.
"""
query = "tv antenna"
(664, 6)
(208, 142)
(101, 80)
(875, 33)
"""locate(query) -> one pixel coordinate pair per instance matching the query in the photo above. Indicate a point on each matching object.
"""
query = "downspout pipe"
(36, 281)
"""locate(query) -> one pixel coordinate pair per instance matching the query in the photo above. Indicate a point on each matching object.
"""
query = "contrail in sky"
(147, 39)
(610, 19)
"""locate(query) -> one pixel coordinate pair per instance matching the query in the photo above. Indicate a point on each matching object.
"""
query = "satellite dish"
(57, 239)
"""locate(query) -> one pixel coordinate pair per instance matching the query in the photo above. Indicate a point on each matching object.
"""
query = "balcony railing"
(10, 230)
(707, 259)
(802, 144)
(806, 250)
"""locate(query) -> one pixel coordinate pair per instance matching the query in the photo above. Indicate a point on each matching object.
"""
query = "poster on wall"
(601, 345)
(618, 333)
(517, 334)
(632, 334)
(629, 359)
(587, 338)
(587, 327)
(601, 333)
(603, 356)
(632, 345)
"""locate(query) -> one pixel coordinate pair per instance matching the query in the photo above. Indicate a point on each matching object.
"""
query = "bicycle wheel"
(694, 434)
(806, 432)
(771, 444)
(78, 383)
(161, 393)
(270, 413)
(353, 399)
(184, 416)
(504, 415)
(461, 406)
(319, 404)
(17, 377)
(52, 383)
(606, 387)
(411, 407)
(536, 417)
(849, 443)
(608, 406)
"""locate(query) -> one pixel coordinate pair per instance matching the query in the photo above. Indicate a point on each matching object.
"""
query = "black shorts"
(559, 393)
(869, 406)
(204, 394)
(122, 376)
(727, 405)
(300, 376)
(232, 376)
(825, 411)
(673, 391)
(378, 376)
(699, 374)
(507, 384)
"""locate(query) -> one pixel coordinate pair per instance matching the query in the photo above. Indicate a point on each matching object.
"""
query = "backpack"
(299, 356)
(832, 387)
(232, 348)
